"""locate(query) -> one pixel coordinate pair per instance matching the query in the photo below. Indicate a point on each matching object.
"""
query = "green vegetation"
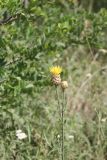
(38, 34)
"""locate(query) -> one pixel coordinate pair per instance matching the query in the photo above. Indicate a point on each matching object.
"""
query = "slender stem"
(59, 111)
(62, 125)
(57, 97)
(89, 47)
(61, 108)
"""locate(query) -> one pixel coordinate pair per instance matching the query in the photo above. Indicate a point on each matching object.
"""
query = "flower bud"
(64, 84)
(56, 79)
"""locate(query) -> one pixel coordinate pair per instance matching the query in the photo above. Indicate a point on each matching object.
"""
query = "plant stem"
(61, 108)
(62, 126)
(57, 97)
(59, 112)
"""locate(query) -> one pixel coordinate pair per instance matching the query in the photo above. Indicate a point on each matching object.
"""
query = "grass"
(85, 116)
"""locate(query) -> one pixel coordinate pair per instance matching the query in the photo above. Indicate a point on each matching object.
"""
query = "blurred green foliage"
(33, 36)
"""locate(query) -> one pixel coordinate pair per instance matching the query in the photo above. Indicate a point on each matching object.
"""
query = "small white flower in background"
(58, 136)
(20, 135)
(88, 75)
(103, 50)
(18, 131)
(70, 137)
(103, 119)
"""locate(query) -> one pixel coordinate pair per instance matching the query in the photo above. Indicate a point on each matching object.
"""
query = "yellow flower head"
(56, 70)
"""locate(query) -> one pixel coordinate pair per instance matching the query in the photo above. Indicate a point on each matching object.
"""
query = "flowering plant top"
(56, 70)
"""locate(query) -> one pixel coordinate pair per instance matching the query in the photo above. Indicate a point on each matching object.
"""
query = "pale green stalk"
(62, 126)
(61, 107)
